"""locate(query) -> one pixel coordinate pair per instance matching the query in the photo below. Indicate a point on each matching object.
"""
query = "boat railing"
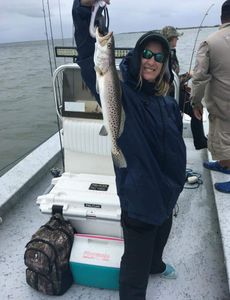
(176, 83)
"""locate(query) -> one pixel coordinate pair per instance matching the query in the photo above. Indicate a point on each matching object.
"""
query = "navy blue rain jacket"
(151, 142)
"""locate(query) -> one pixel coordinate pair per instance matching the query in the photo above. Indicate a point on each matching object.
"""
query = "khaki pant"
(219, 138)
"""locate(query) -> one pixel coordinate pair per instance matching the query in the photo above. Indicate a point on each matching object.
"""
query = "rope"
(197, 181)
(193, 180)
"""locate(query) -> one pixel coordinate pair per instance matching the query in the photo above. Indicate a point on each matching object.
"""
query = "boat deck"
(194, 247)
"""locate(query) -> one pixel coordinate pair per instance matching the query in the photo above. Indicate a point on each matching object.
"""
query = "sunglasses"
(159, 57)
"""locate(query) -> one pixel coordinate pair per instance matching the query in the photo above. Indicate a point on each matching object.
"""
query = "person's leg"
(199, 138)
(136, 262)
(163, 231)
(218, 145)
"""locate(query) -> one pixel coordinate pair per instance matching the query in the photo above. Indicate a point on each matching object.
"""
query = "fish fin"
(103, 131)
(119, 159)
(99, 71)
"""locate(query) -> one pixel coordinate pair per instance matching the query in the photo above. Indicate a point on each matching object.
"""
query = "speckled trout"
(108, 87)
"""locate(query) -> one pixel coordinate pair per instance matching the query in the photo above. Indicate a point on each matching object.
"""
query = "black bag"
(47, 257)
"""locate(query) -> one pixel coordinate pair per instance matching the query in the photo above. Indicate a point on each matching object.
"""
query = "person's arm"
(200, 78)
(81, 13)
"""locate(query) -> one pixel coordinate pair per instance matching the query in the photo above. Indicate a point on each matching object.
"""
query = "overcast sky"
(22, 20)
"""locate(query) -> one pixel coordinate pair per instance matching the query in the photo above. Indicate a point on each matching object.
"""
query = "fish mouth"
(103, 39)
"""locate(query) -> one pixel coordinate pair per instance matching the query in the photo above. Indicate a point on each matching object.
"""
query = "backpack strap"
(57, 209)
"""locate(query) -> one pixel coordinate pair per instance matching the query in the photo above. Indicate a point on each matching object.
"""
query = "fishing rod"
(199, 29)
(186, 88)
(60, 17)
(62, 35)
(47, 38)
(51, 34)
(51, 69)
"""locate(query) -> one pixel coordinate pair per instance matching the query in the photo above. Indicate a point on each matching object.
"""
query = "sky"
(23, 20)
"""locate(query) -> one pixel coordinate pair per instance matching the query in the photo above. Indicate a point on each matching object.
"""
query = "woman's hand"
(198, 112)
(185, 77)
(92, 2)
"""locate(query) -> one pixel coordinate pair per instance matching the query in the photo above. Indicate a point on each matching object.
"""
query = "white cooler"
(89, 201)
(95, 260)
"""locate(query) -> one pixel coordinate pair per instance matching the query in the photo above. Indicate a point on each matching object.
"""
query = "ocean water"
(27, 112)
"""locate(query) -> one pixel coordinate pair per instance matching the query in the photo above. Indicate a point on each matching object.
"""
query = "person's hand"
(185, 77)
(92, 2)
(198, 112)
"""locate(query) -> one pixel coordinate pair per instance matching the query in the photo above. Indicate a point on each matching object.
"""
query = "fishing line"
(60, 18)
(73, 39)
(51, 34)
(47, 38)
(51, 68)
(186, 87)
(198, 32)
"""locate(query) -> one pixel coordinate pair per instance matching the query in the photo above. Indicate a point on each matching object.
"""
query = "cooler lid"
(83, 195)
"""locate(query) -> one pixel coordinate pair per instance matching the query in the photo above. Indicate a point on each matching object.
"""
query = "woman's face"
(150, 68)
(173, 42)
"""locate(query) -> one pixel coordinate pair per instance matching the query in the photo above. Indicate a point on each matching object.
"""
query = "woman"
(199, 138)
(153, 148)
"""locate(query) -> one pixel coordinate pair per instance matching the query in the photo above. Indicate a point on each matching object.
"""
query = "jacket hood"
(128, 75)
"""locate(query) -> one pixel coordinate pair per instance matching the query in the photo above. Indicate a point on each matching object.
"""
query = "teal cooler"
(95, 260)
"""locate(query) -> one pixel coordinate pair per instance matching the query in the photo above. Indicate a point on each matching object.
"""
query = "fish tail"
(119, 159)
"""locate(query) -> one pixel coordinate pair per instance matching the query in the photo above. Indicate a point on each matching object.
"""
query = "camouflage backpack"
(47, 257)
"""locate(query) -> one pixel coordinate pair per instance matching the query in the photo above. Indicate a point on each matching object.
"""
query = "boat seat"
(85, 150)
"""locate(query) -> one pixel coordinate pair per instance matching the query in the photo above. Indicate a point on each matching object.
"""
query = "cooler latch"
(57, 209)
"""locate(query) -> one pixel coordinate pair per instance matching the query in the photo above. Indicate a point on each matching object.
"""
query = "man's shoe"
(223, 187)
(215, 166)
(169, 272)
